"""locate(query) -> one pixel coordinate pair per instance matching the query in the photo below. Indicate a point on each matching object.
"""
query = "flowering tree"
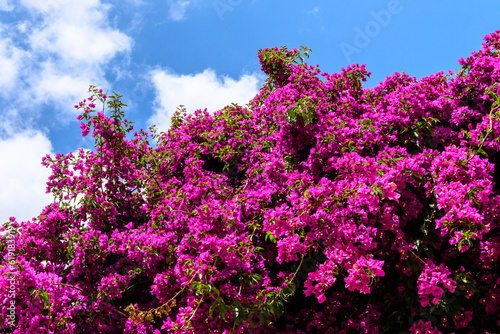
(321, 206)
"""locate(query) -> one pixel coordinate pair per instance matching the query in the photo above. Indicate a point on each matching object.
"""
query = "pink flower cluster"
(431, 282)
(320, 207)
(362, 272)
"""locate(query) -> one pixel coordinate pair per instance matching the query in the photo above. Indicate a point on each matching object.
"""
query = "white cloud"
(46, 6)
(178, 9)
(10, 61)
(77, 32)
(313, 11)
(6, 6)
(22, 177)
(199, 91)
(63, 49)
(136, 3)
(54, 55)
(63, 85)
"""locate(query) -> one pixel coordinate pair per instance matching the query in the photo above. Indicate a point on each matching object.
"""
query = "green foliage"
(276, 62)
(304, 109)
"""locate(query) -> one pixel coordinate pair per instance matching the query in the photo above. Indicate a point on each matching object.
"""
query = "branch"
(87, 294)
(490, 128)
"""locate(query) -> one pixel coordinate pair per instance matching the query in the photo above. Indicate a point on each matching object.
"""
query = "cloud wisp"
(22, 176)
(53, 49)
(198, 91)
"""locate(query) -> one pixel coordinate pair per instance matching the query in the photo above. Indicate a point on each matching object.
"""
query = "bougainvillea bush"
(320, 207)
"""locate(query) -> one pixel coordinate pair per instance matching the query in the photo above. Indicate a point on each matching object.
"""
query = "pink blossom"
(85, 129)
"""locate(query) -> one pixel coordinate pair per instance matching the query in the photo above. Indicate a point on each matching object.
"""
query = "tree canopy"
(321, 206)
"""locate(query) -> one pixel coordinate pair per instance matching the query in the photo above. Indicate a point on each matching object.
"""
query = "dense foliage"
(321, 206)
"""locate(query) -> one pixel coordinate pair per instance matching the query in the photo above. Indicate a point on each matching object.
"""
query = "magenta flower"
(85, 129)
(432, 282)
(390, 191)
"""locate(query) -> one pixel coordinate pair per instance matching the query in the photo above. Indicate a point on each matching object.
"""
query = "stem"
(121, 313)
(130, 287)
(411, 251)
(490, 128)
(298, 268)
(194, 311)
(154, 310)
(87, 294)
(74, 287)
(181, 211)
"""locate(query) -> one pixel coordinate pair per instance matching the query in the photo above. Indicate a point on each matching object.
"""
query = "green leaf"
(277, 308)
(212, 308)
(44, 296)
(264, 316)
(270, 236)
(481, 151)
(223, 308)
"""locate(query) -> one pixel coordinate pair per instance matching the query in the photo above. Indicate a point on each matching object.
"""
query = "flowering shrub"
(321, 206)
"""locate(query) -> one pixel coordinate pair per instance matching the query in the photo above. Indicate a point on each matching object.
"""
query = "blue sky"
(199, 53)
